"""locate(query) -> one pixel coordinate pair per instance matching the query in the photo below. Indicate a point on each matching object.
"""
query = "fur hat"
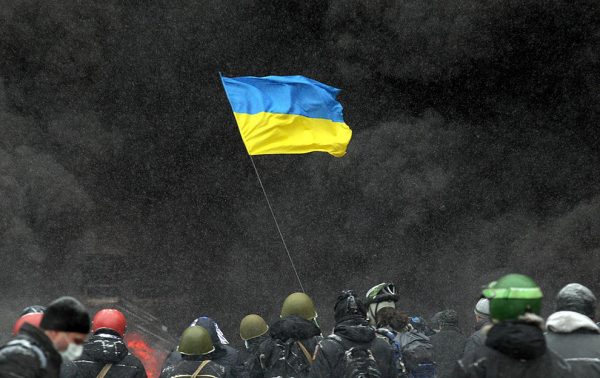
(66, 314)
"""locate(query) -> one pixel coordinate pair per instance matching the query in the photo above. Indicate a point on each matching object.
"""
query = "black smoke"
(475, 152)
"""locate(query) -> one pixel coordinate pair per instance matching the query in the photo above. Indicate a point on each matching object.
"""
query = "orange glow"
(150, 357)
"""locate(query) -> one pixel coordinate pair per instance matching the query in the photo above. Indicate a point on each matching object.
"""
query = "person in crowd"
(482, 323)
(572, 332)
(195, 347)
(515, 345)
(253, 330)
(289, 349)
(378, 297)
(106, 352)
(412, 350)
(353, 349)
(38, 352)
(224, 354)
(448, 342)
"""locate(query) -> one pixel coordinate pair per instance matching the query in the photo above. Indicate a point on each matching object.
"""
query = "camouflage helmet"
(299, 304)
(195, 341)
(252, 326)
(512, 296)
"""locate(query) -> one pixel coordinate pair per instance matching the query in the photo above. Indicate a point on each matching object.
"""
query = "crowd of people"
(372, 338)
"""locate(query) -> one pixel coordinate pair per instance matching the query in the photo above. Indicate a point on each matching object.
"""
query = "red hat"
(33, 318)
(109, 319)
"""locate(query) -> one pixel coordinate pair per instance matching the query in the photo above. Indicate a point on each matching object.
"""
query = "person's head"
(35, 309)
(299, 304)
(512, 296)
(252, 326)
(379, 297)
(482, 310)
(392, 318)
(109, 320)
(445, 319)
(66, 323)
(216, 335)
(33, 318)
(195, 341)
(578, 298)
(348, 306)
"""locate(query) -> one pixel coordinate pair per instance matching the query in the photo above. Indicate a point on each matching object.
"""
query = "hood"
(213, 329)
(293, 327)
(570, 321)
(522, 339)
(104, 348)
(357, 330)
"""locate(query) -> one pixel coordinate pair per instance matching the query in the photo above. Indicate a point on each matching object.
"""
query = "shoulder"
(24, 350)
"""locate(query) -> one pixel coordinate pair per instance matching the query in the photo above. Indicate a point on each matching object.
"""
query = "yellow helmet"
(299, 304)
(252, 326)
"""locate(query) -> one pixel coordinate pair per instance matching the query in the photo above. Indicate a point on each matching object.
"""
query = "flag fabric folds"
(287, 115)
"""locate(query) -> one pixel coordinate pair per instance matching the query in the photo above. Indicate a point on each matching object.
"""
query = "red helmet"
(33, 318)
(109, 319)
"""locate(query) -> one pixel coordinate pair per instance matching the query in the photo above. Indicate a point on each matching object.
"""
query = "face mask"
(72, 352)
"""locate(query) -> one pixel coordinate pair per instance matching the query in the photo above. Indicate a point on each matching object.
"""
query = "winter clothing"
(189, 364)
(576, 338)
(578, 298)
(66, 314)
(107, 347)
(223, 354)
(281, 354)
(482, 308)
(248, 364)
(448, 346)
(351, 333)
(513, 348)
(30, 354)
(477, 338)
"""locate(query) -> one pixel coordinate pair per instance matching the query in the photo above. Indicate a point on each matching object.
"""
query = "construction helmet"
(299, 304)
(195, 341)
(512, 296)
(110, 319)
(252, 326)
(33, 318)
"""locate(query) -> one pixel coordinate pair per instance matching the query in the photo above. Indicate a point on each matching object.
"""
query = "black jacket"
(576, 338)
(280, 355)
(223, 355)
(30, 354)
(188, 365)
(107, 348)
(513, 349)
(248, 364)
(329, 358)
(448, 346)
(477, 338)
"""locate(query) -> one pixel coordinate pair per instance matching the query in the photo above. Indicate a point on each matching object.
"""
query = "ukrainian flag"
(287, 115)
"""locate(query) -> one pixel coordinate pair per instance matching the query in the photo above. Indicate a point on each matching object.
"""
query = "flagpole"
(277, 224)
(269, 204)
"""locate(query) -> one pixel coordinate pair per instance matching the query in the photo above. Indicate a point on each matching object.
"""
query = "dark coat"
(223, 355)
(448, 347)
(513, 349)
(477, 338)
(30, 354)
(188, 365)
(108, 348)
(248, 364)
(329, 359)
(281, 356)
(576, 338)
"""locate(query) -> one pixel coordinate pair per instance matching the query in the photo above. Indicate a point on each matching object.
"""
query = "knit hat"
(447, 318)
(66, 314)
(578, 298)
(482, 308)
(348, 306)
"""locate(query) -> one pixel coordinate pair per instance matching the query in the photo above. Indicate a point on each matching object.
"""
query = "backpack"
(358, 361)
(417, 354)
(284, 359)
(390, 337)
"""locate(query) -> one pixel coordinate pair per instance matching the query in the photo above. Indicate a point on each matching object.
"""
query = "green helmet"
(512, 296)
(252, 326)
(299, 304)
(195, 341)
